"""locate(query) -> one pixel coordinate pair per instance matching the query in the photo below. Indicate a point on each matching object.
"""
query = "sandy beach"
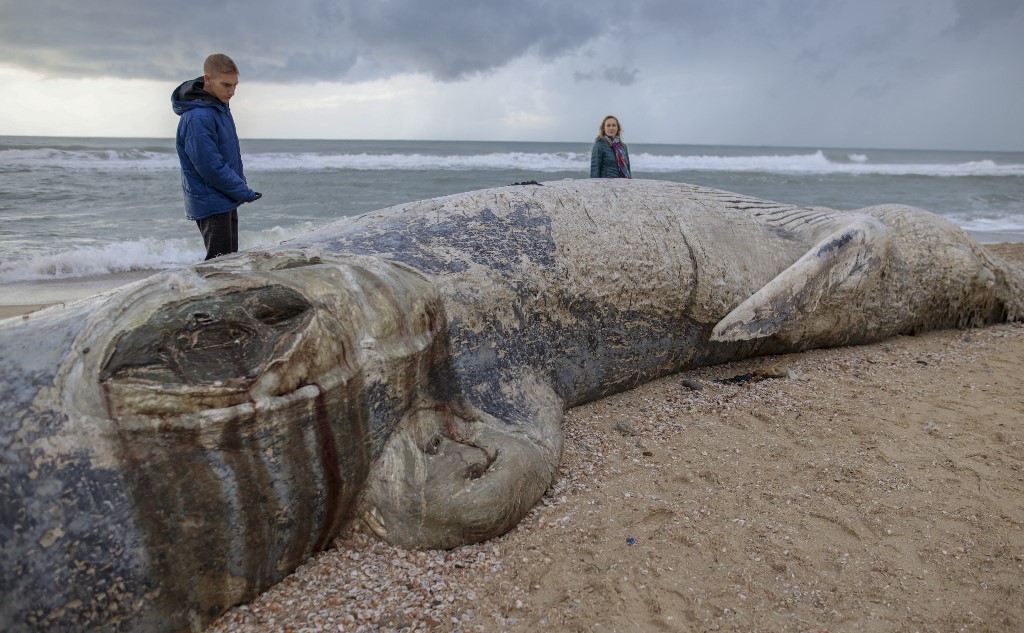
(873, 488)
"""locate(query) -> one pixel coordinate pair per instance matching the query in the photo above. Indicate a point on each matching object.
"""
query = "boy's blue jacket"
(211, 160)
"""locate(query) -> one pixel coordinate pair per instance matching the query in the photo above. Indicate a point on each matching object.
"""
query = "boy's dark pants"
(220, 233)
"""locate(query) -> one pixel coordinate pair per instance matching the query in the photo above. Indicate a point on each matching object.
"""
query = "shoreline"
(21, 298)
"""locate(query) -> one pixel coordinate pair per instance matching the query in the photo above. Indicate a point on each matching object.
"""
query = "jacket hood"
(191, 94)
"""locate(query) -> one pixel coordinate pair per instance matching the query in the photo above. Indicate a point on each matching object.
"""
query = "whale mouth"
(211, 340)
(217, 345)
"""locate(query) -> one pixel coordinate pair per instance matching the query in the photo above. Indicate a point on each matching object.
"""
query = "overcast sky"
(942, 74)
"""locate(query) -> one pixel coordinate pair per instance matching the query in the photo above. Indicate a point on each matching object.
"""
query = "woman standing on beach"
(609, 158)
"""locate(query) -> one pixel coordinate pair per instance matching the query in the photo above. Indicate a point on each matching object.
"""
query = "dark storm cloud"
(614, 42)
(461, 37)
(301, 40)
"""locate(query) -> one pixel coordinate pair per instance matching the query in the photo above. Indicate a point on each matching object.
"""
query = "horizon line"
(573, 142)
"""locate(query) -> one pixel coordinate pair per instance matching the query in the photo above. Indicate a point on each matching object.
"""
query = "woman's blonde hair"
(600, 130)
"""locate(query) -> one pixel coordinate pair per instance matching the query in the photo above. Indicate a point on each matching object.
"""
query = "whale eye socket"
(433, 447)
(220, 339)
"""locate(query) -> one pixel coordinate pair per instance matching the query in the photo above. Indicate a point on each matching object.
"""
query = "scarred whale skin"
(175, 447)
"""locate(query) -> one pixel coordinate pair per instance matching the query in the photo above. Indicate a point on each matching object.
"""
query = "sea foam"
(131, 255)
(817, 162)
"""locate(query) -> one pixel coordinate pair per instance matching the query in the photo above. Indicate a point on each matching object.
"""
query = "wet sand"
(25, 297)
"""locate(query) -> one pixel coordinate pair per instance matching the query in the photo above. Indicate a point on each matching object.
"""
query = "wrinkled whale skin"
(175, 447)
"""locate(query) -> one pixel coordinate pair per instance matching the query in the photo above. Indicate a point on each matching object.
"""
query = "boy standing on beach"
(211, 159)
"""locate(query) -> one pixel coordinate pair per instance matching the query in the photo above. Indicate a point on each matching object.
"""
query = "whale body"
(172, 448)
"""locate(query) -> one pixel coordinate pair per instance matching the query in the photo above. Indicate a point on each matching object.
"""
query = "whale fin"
(841, 261)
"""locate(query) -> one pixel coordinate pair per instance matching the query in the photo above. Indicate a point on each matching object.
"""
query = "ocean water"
(72, 207)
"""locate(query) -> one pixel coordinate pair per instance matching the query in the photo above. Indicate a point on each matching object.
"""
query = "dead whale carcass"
(175, 447)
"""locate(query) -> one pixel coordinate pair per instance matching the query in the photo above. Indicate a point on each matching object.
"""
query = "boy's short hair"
(219, 64)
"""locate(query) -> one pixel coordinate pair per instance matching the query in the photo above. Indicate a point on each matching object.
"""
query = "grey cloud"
(621, 75)
(974, 16)
(300, 40)
(871, 47)
(616, 74)
(456, 38)
(305, 40)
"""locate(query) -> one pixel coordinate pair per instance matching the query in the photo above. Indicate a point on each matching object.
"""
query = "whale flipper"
(839, 263)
